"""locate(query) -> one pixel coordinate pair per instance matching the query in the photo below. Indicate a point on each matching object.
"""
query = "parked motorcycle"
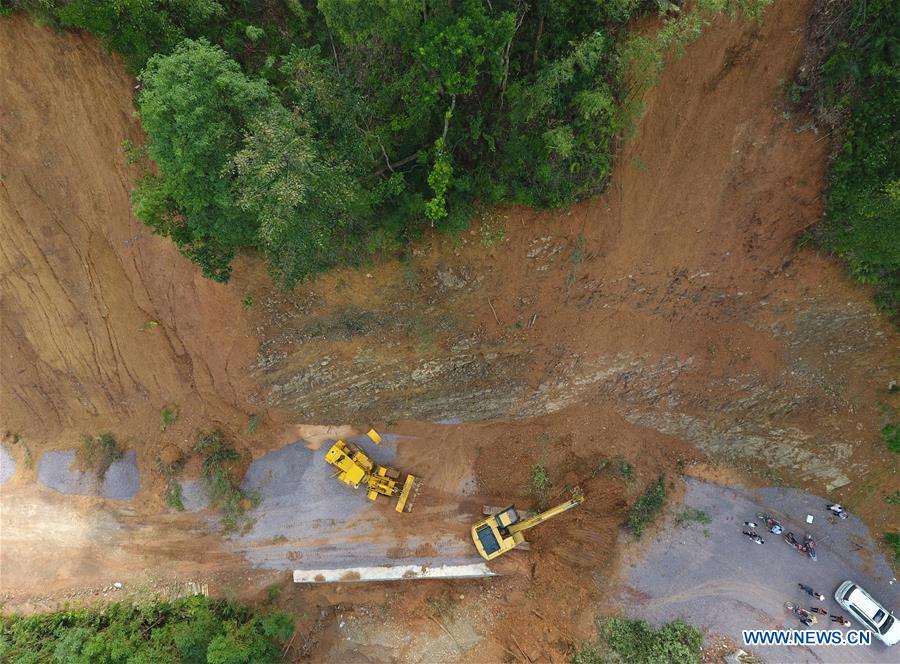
(774, 526)
(809, 545)
(790, 539)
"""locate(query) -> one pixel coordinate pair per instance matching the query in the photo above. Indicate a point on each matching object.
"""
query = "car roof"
(861, 600)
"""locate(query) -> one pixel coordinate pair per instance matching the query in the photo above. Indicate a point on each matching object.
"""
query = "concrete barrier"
(392, 573)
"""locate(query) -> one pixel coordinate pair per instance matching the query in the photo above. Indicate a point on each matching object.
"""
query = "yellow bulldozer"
(355, 468)
(502, 531)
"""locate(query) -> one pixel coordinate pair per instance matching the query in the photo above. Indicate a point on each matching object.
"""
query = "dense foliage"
(193, 629)
(862, 224)
(636, 642)
(317, 132)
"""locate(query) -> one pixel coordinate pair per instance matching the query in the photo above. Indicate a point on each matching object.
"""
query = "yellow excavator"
(355, 468)
(502, 532)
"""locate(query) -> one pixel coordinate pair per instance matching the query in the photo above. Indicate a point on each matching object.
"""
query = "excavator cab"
(502, 532)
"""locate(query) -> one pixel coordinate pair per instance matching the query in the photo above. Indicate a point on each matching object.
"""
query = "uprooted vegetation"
(193, 629)
(647, 507)
(219, 465)
(318, 134)
(98, 453)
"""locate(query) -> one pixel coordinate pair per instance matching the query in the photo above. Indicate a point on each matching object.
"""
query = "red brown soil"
(104, 325)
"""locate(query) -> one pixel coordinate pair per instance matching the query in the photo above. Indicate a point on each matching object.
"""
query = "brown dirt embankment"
(103, 324)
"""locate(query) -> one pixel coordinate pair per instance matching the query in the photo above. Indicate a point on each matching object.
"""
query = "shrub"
(192, 629)
(539, 485)
(890, 435)
(636, 642)
(647, 507)
(893, 541)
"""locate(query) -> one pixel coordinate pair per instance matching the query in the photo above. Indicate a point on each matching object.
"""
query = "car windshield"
(887, 625)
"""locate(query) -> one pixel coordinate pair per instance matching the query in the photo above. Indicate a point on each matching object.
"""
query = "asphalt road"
(714, 577)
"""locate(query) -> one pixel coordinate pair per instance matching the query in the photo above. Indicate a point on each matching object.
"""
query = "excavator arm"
(543, 516)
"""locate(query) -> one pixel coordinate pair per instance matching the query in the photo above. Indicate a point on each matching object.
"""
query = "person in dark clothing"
(841, 620)
(753, 536)
(812, 593)
(816, 609)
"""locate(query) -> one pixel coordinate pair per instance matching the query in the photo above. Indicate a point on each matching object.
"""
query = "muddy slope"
(103, 324)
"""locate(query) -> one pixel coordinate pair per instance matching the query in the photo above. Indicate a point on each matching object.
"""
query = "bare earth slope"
(103, 324)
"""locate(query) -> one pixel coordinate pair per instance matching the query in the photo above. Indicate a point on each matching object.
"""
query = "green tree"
(195, 105)
(304, 203)
(138, 29)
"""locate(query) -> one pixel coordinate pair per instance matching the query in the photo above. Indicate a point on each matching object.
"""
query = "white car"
(874, 617)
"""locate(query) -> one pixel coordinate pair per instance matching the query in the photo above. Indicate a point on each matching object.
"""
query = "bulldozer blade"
(408, 494)
(374, 436)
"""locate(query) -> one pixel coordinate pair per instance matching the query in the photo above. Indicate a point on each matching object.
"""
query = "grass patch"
(636, 642)
(539, 485)
(893, 499)
(624, 470)
(169, 417)
(692, 515)
(18, 441)
(893, 542)
(219, 463)
(98, 453)
(647, 507)
(890, 436)
(174, 495)
(253, 422)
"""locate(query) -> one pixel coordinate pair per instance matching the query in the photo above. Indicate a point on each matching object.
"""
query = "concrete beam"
(392, 573)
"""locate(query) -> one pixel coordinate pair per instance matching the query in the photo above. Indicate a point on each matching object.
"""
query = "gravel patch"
(193, 496)
(7, 465)
(122, 480)
(55, 472)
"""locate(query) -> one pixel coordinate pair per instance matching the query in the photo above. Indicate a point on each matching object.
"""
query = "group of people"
(834, 508)
(807, 616)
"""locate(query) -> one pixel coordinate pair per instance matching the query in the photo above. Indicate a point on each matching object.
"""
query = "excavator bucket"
(408, 494)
